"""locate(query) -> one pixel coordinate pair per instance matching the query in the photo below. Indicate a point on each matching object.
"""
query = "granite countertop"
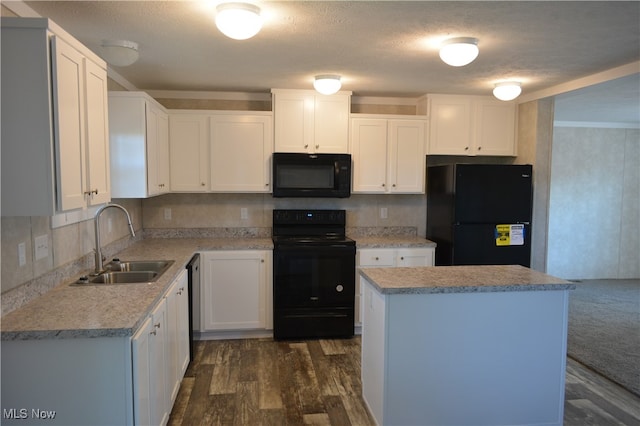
(119, 310)
(393, 241)
(461, 279)
(113, 310)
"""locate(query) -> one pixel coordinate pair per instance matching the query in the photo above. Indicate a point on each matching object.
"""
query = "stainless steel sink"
(158, 266)
(124, 277)
(128, 272)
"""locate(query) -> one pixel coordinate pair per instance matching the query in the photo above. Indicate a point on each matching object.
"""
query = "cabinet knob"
(401, 257)
(394, 185)
(377, 258)
(479, 148)
(466, 148)
(317, 146)
(201, 183)
(306, 145)
(266, 184)
(383, 185)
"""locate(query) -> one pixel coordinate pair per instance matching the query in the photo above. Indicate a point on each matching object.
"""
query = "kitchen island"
(474, 345)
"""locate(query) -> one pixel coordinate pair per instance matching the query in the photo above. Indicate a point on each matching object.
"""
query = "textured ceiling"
(383, 48)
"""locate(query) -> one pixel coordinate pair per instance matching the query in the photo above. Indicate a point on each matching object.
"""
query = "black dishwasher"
(193, 273)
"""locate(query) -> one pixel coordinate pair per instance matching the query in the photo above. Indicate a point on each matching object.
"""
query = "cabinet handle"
(479, 148)
(317, 146)
(261, 260)
(153, 332)
(157, 325)
(306, 145)
(201, 183)
(466, 148)
(266, 184)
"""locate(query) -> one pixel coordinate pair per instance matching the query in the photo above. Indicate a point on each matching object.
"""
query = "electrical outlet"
(42, 246)
(244, 214)
(22, 254)
(383, 213)
(167, 214)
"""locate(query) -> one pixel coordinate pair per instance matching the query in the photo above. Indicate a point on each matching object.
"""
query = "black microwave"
(311, 175)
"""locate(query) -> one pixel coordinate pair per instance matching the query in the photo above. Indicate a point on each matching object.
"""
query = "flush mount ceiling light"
(459, 51)
(119, 53)
(507, 90)
(238, 21)
(327, 84)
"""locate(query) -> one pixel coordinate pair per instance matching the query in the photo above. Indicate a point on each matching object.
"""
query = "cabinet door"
(177, 334)
(294, 121)
(141, 374)
(99, 183)
(183, 341)
(69, 115)
(233, 290)
(415, 257)
(173, 382)
(369, 154)
(331, 124)
(450, 125)
(495, 127)
(407, 160)
(189, 152)
(153, 145)
(162, 153)
(159, 405)
(241, 148)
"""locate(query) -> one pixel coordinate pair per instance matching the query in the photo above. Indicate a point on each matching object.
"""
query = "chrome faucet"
(98, 250)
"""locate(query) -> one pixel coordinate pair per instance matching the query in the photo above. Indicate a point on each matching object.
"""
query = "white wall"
(594, 209)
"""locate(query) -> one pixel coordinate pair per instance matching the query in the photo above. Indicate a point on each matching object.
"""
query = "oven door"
(310, 276)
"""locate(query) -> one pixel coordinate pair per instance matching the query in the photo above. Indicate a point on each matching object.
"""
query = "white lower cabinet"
(235, 293)
(389, 258)
(160, 352)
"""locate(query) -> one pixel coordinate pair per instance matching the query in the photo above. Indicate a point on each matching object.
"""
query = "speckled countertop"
(461, 279)
(114, 310)
(119, 310)
(392, 241)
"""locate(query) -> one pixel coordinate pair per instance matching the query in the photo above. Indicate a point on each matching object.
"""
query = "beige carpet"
(604, 329)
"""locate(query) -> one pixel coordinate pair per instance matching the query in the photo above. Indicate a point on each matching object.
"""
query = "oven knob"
(339, 288)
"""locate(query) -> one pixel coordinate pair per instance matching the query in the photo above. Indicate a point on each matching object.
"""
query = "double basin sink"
(128, 272)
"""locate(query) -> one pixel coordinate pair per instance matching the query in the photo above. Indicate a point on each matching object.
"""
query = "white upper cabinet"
(241, 148)
(189, 151)
(308, 122)
(54, 121)
(388, 154)
(220, 151)
(139, 143)
(471, 125)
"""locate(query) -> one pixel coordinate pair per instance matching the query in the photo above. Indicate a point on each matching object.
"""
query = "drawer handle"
(157, 325)
(153, 332)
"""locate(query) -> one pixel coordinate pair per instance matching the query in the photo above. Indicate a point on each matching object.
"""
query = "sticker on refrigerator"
(509, 235)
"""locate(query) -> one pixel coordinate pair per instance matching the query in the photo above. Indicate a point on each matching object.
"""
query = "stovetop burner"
(319, 227)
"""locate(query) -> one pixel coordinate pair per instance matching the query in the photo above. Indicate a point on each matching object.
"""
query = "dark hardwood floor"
(317, 382)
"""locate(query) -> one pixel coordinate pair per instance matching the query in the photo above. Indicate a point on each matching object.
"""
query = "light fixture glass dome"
(507, 90)
(327, 84)
(238, 21)
(119, 53)
(459, 51)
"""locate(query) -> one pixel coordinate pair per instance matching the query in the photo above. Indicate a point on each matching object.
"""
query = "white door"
(189, 152)
(369, 155)
(68, 98)
(407, 159)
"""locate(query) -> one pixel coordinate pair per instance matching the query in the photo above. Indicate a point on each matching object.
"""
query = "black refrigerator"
(480, 214)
